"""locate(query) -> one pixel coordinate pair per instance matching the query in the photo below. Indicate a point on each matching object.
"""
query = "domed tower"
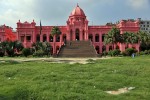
(77, 25)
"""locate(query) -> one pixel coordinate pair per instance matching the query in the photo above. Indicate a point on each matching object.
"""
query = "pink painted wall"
(76, 28)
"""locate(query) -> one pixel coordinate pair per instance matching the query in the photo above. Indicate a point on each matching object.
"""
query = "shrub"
(124, 53)
(110, 53)
(115, 52)
(26, 52)
(130, 51)
(104, 53)
(146, 52)
(2, 53)
(10, 52)
(38, 53)
(142, 53)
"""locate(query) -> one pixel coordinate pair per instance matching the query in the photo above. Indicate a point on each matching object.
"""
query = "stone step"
(78, 49)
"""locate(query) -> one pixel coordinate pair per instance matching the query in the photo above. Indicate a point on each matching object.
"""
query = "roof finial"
(77, 5)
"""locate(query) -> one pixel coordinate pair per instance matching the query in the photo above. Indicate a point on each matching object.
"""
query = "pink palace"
(77, 28)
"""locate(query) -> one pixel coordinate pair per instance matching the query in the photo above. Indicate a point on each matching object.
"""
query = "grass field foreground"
(41, 80)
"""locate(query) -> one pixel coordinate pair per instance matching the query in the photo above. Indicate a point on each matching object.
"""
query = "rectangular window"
(144, 25)
(141, 23)
(147, 25)
(28, 38)
(147, 22)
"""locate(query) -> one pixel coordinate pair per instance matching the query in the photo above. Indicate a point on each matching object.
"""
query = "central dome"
(77, 12)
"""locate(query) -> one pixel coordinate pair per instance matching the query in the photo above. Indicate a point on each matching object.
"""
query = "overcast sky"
(56, 12)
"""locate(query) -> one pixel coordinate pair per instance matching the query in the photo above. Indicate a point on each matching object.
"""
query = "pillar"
(93, 37)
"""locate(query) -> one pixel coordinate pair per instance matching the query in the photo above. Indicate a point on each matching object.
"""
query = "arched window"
(103, 35)
(44, 37)
(97, 49)
(97, 38)
(91, 37)
(57, 38)
(77, 34)
(37, 38)
(110, 48)
(51, 38)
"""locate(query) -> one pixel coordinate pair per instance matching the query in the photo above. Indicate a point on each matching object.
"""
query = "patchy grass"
(39, 80)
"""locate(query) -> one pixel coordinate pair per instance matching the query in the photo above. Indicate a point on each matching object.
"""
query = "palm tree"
(42, 47)
(55, 31)
(113, 37)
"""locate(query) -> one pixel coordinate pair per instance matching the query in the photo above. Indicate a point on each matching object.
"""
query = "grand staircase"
(77, 49)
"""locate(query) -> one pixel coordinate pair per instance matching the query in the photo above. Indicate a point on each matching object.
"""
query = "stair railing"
(93, 46)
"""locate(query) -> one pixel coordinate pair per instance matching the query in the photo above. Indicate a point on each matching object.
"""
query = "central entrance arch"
(77, 35)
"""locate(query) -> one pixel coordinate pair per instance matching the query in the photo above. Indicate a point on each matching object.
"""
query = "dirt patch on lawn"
(120, 91)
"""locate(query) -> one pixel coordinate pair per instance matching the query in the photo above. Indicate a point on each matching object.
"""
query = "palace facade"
(77, 28)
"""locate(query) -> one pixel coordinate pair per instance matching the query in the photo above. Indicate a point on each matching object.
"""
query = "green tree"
(55, 31)
(144, 39)
(130, 38)
(113, 37)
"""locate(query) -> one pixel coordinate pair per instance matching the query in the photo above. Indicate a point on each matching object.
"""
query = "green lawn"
(46, 81)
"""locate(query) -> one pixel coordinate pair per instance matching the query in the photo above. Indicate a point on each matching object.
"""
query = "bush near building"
(26, 52)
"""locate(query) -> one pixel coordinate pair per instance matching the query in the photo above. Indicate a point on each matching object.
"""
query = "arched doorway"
(51, 50)
(64, 37)
(97, 49)
(57, 49)
(103, 48)
(83, 34)
(71, 35)
(91, 37)
(77, 34)
(110, 48)
(117, 47)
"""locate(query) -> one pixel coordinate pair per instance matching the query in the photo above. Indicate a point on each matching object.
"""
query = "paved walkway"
(52, 60)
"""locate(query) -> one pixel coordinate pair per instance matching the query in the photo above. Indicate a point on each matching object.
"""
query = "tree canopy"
(55, 31)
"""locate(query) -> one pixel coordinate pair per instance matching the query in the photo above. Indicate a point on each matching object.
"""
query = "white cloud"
(138, 4)
(13, 10)
(53, 12)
